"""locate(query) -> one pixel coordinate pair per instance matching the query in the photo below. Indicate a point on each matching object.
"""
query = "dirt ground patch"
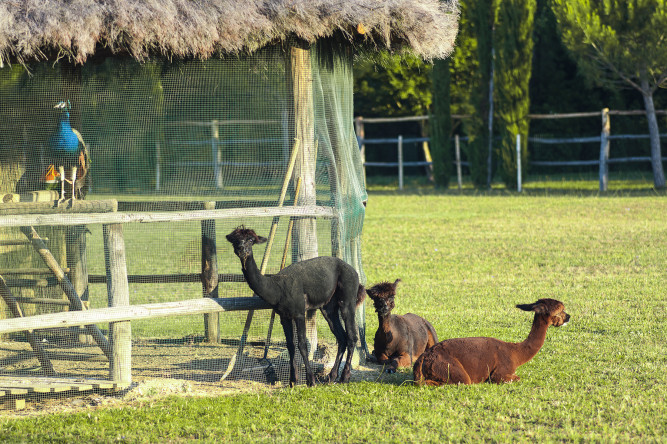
(160, 368)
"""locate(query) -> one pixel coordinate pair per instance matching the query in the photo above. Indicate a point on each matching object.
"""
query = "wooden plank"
(22, 220)
(166, 278)
(40, 301)
(32, 271)
(73, 206)
(132, 312)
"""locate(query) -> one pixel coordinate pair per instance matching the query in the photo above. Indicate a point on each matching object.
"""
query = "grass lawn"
(465, 260)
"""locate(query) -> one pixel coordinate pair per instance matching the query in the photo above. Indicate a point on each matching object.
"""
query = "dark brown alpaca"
(324, 282)
(399, 340)
(475, 360)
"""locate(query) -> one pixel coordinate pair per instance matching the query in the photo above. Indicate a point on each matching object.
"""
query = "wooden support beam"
(304, 239)
(73, 206)
(66, 285)
(15, 309)
(32, 271)
(166, 278)
(22, 220)
(118, 291)
(133, 312)
(209, 274)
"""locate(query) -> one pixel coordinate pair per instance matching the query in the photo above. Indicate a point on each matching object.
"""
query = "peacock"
(68, 151)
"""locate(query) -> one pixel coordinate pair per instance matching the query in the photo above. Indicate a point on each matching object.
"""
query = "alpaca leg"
(289, 338)
(303, 348)
(347, 313)
(330, 313)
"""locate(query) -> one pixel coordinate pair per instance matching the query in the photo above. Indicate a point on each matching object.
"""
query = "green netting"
(167, 136)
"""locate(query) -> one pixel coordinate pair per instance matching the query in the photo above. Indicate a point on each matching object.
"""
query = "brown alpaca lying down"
(475, 360)
(399, 340)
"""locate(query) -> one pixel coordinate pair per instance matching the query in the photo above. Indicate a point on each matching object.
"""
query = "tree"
(392, 85)
(513, 43)
(478, 127)
(621, 42)
(441, 123)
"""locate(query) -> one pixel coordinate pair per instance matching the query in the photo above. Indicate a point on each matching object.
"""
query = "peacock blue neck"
(64, 139)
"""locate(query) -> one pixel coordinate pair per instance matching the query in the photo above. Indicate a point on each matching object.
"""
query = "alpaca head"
(242, 239)
(382, 295)
(552, 310)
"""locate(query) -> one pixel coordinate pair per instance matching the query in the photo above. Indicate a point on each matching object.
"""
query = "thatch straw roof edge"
(44, 29)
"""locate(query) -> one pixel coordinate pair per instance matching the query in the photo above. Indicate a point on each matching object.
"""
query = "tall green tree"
(392, 85)
(441, 123)
(513, 43)
(621, 42)
(477, 127)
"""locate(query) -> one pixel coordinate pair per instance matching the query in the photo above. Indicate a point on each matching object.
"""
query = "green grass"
(465, 260)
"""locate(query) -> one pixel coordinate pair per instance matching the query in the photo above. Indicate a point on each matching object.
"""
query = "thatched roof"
(40, 29)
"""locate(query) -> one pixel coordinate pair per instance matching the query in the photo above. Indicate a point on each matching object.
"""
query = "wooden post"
(216, 153)
(209, 274)
(518, 162)
(457, 148)
(158, 160)
(77, 257)
(118, 293)
(604, 150)
(400, 162)
(66, 285)
(361, 135)
(304, 244)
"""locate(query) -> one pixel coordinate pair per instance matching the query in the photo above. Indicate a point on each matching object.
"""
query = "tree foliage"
(620, 42)
(482, 21)
(392, 85)
(441, 123)
(513, 42)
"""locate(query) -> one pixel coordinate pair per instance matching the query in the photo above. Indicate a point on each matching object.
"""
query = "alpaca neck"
(383, 321)
(532, 344)
(263, 286)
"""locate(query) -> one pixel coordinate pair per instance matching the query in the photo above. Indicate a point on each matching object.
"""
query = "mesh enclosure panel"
(175, 138)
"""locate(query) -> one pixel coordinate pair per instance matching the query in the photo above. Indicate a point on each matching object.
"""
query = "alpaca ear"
(229, 238)
(396, 283)
(526, 307)
(260, 240)
(537, 307)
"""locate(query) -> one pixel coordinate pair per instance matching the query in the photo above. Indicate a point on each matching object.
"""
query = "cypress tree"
(482, 13)
(513, 41)
(441, 124)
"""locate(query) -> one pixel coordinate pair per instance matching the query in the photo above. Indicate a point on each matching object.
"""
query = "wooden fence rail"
(605, 137)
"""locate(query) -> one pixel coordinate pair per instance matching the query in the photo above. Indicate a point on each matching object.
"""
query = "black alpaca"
(324, 282)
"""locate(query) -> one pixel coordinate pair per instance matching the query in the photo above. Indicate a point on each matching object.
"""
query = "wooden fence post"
(77, 258)
(361, 135)
(209, 274)
(118, 293)
(216, 153)
(158, 160)
(518, 162)
(457, 148)
(604, 150)
(400, 162)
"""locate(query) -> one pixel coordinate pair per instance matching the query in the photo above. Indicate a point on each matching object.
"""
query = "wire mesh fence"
(202, 146)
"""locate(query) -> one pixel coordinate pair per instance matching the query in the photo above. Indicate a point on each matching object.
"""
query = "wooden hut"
(198, 117)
